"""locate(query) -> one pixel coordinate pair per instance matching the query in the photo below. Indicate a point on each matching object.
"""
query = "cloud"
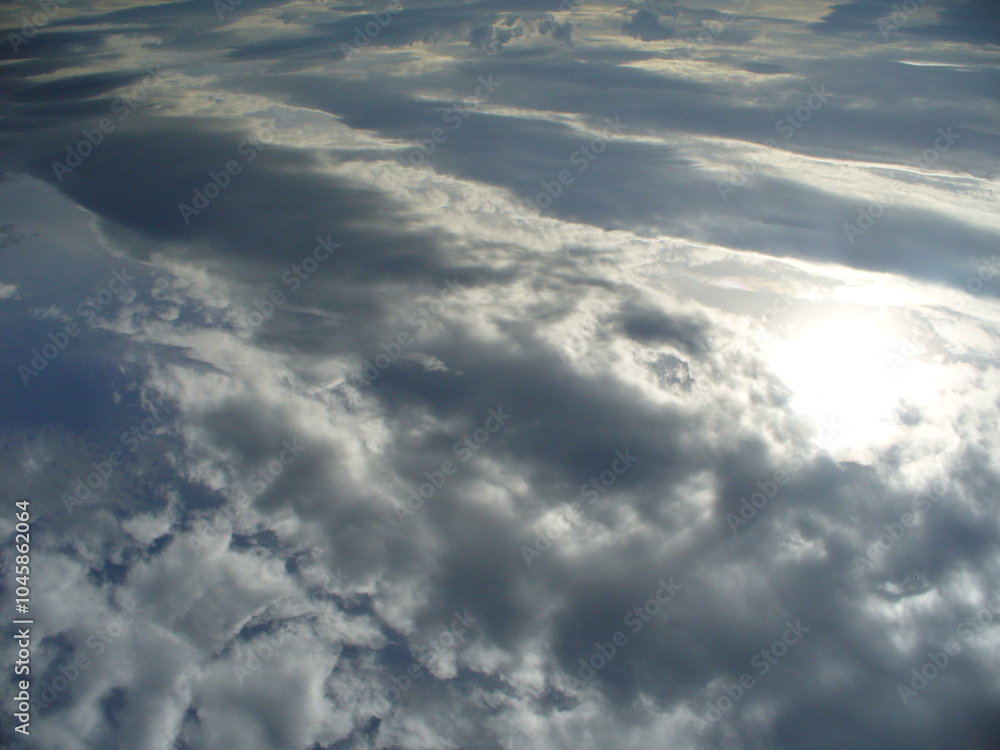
(645, 25)
(662, 457)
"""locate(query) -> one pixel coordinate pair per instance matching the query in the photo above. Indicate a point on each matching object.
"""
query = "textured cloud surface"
(502, 374)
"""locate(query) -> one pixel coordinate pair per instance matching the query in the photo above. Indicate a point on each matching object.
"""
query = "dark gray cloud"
(645, 25)
(968, 21)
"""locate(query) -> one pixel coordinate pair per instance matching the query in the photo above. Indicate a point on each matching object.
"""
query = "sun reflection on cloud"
(849, 373)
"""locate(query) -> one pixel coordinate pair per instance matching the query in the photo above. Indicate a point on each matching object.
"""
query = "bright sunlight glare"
(848, 374)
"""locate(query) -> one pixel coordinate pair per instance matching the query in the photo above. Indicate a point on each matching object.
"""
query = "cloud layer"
(503, 374)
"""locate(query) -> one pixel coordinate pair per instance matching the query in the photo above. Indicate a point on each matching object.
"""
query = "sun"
(848, 374)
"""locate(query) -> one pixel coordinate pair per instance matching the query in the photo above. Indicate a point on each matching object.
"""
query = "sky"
(500, 375)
